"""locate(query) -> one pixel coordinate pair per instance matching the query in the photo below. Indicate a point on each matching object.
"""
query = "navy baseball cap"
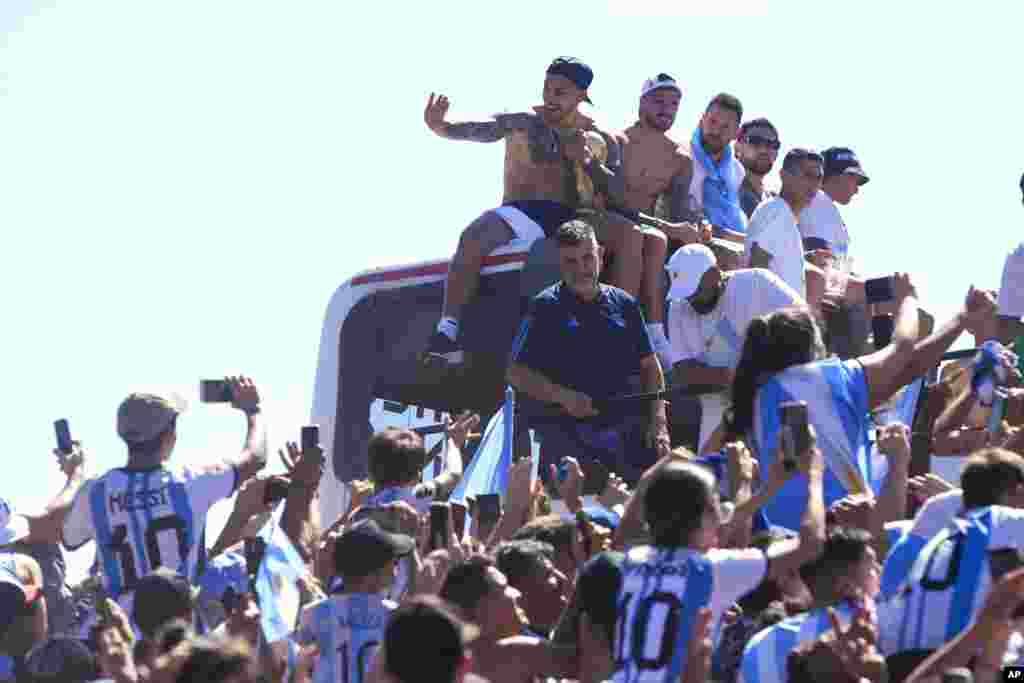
(576, 71)
(839, 160)
(365, 547)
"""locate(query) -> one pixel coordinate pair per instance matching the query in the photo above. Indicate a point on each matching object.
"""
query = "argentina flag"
(276, 588)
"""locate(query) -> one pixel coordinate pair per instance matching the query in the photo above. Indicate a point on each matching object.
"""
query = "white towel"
(523, 226)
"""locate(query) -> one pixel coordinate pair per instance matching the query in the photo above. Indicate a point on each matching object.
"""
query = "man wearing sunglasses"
(757, 148)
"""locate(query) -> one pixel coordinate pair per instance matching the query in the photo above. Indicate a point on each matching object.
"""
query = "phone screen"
(878, 290)
(795, 435)
(459, 518)
(63, 433)
(214, 391)
(438, 525)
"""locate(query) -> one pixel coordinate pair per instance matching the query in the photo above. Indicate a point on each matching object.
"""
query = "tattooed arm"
(476, 131)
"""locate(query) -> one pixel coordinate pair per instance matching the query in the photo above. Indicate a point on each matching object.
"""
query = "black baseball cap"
(839, 160)
(576, 71)
(365, 548)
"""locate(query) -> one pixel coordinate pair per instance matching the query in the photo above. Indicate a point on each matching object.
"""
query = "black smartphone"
(1001, 562)
(488, 508)
(439, 525)
(795, 434)
(276, 490)
(63, 432)
(458, 518)
(310, 437)
(214, 391)
(882, 327)
(879, 290)
(255, 548)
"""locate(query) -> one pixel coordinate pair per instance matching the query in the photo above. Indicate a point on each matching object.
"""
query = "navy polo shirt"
(590, 347)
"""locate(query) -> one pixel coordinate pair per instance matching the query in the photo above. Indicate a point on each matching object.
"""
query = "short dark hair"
(726, 101)
(160, 597)
(395, 456)
(423, 641)
(215, 660)
(758, 123)
(61, 660)
(466, 583)
(844, 547)
(574, 233)
(517, 560)
(676, 500)
(798, 155)
(988, 475)
(550, 529)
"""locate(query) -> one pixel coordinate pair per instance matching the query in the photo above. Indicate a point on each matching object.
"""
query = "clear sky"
(184, 185)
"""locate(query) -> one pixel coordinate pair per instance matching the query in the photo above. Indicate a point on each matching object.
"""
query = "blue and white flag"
(488, 471)
(276, 588)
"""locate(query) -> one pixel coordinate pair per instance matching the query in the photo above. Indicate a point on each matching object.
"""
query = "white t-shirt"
(716, 339)
(821, 219)
(663, 588)
(773, 227)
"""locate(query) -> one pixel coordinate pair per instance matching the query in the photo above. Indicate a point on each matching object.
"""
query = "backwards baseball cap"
(839, 160)
(659, 82)
(686, 267)
(576, 71)
(142, 417)
(365, 547)
(12, 527)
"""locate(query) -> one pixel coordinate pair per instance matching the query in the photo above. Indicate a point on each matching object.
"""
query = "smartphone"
(1002, 562)
(882, 327)
(879, 290)
(255, 548)
(459, 518)
(439, 532)
(63, 432)
(488, 508)
(795, 434)
(310, 437)
(214, 391)
(276, 490)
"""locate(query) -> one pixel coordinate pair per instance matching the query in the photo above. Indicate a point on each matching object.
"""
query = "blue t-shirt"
(837, 397)
(590, 347)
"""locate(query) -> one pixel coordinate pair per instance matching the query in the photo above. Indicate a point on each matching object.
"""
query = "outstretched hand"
(435, 112)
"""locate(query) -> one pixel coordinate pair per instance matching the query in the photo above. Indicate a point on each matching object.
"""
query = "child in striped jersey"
(665, 585)
(348, 627)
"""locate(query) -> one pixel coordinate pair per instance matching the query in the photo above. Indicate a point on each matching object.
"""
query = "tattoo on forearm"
(475, 131)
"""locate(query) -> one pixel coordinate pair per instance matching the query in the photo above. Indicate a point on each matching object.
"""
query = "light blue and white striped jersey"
(347, 629)
(145, 519)
(764, 658)
(935, 515)
(662, 590)
(949, 580)
(836, 393)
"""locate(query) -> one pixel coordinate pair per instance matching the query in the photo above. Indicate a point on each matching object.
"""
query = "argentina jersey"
(765, 656)
(935, 515)
(949, 580)
(661, 592)
(347, 630)
(836, 393)
(145, 519)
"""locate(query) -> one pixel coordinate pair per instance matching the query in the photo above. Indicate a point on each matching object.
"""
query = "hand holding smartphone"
(214, 391)
(65, 444)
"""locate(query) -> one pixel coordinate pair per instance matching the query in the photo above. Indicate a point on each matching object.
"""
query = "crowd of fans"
(765, 553)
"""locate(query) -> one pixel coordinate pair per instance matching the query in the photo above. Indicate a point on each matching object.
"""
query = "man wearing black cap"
(352, 622)
(556, 161)
(820, 223)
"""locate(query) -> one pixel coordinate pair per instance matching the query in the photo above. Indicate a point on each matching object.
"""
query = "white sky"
(185, 184)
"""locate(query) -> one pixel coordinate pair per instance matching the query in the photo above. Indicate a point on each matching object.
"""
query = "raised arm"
(475, 131)
(456, 434)
(246, 398)
(48, 526)
(884, 368)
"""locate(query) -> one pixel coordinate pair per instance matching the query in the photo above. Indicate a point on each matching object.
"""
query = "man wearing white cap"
(708, 315)
(144, 516)
(656, 167)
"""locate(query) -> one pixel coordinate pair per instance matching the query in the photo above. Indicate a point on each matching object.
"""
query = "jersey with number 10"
(347, 628)
(145, 519)
(662, 591)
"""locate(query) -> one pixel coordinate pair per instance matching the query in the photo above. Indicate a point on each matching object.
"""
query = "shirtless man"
(556, 161)
(653, 166)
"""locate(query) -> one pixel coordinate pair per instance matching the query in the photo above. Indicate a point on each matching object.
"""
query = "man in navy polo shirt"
(578, 346)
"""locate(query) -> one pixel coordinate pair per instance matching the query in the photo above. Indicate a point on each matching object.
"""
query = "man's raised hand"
(435, 112)
(244, 394)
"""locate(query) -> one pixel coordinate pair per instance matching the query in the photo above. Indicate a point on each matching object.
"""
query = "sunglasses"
(761, 141)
